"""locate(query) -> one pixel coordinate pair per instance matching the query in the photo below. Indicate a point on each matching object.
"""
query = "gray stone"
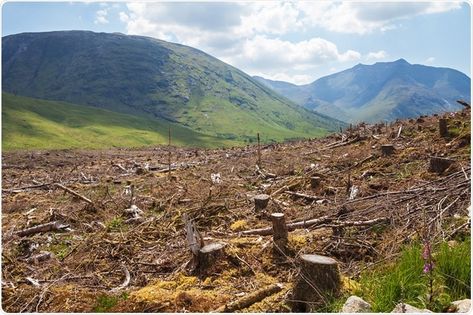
(356, 304)
(462, 306)
(406, 308)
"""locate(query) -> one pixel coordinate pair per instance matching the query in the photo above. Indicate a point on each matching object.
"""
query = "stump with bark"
(443, 128)
(387, 149)
(318, 280)
(208, 256)
(279, 235)
(439, 165)
(315, 182)
(261, 201)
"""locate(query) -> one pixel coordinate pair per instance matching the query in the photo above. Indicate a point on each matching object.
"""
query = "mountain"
(155, 79)
(382, 91)
(34, 123)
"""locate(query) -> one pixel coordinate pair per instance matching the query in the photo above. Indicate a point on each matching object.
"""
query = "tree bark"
(438, 164)
(443, 128)
(387, 149)
(261, 201)
(318, 279)
(279, 234)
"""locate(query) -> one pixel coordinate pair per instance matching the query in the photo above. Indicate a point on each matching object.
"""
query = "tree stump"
(279, 234)
(319, 279)
(443, 128)
(438, 164)
(261, 201)
(315, 181)
(208, 256)
(387, 149)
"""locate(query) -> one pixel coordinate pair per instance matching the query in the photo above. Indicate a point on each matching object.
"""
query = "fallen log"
(47, 227)
(290, 226)
(39, 258)
(250, 299)
(324, 221)
(72, 192)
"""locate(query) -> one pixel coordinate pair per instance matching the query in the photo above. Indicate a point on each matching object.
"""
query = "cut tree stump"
(438, 164)
(318, 279)
(279, 234)
(443, 128)
(315, 182)
(208, 256)
(387, 149)
(261, 201)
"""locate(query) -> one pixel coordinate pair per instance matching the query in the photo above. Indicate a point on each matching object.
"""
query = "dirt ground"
(100, 242)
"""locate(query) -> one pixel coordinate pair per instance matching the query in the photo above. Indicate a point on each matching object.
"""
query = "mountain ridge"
(144, 76)
(382, 91)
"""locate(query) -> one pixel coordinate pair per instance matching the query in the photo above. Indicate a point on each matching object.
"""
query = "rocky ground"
(119, 244)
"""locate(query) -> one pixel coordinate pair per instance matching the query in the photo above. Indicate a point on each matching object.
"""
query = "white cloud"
(362, 18)
(381, 54)
(101, 17)
(258, 37)
(430, 60)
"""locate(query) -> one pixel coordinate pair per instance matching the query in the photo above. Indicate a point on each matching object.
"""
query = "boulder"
(462, 306)
(406, 308)
(356, 304)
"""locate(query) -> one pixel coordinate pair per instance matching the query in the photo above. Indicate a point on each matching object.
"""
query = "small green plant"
(105, 303)
(115, 224)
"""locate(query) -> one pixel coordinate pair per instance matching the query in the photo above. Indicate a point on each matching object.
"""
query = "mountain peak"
(402, 61)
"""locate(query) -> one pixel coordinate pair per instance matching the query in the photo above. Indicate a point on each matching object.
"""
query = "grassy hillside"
(33, 123)
(153, 78)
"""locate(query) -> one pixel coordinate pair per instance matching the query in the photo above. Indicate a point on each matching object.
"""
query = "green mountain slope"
(383, 91)
(155, 79)
(33, 123)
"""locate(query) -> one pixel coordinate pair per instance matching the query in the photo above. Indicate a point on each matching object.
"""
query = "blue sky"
(295, 41)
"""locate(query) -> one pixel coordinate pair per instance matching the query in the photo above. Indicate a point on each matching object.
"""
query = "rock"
(355, 304)
(462, 306)
(406, 308)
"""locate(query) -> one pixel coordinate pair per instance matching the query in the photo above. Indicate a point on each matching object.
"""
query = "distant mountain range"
(153, 79)
(382, 91)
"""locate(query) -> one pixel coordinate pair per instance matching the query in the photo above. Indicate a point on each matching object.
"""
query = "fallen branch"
(47, 227)
(250, 299)
(290, 226)
(72, 192)
(127, 279)
(308, 197)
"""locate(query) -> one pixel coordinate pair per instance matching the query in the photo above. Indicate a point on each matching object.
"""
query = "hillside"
(114, 231)
(383, 91)
(152, 78)
(29, 123)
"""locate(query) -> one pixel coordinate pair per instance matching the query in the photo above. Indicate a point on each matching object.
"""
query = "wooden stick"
(72, 192)
(308, 197)
(51, 226)
(259, 151)
(169, 153)
(250, 299)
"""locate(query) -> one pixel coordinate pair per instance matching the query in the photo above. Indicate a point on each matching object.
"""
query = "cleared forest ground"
(106, 259)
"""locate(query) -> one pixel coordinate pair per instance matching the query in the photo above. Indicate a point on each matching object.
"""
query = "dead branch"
(72, 192)
(126, 281)
(290, 226)
(250, 299)
(308, 197)
(47, 227)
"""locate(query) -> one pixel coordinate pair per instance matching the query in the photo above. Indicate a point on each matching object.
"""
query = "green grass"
(106, 302)
(29, 123)
(404, 280)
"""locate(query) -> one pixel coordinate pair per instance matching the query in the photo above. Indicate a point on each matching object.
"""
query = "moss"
(239, 225)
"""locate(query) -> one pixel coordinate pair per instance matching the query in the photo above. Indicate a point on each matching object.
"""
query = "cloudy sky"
(294, 41)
